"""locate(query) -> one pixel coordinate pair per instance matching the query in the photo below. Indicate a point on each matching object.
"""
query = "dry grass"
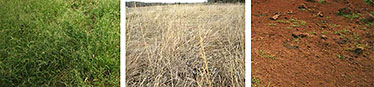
(194, 45)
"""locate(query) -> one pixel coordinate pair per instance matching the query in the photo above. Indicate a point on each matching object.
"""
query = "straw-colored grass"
(193, 45)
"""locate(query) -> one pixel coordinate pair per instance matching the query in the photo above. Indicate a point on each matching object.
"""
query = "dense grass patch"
(59, 42)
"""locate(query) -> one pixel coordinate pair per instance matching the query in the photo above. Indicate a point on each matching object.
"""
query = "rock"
(290, 12)
(359, 50)
(324, 26)
(299, 34)
(275, 17)
(303, 6)
(320, 14)
(323, 37)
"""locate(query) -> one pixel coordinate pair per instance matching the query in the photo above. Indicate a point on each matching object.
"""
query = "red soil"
(326, 56)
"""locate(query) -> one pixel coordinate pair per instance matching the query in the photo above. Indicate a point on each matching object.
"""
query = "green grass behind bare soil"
(59, 43)
(193, 45)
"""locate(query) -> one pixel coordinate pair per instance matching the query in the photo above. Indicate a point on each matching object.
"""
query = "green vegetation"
(334, 25)
(294, 23)
(283, 21)
(312, 33)
(322, 1)
(341, 32)
(255, 82)
(371, 2)
(323, 32)
(348, 13)
(339, 56)
(266, 55)
(59, 43)
(352, 16)
(368, 22)
(272, 24)
(328, 17)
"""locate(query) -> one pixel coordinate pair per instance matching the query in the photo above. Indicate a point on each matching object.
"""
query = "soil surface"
(309, 44)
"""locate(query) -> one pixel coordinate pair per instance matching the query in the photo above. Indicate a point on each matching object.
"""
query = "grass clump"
(322, 1)
(266, 55)
(368, 22)
(59, 43)
(352, 16)
(272, 24)
(348, 13)
(255, 82)
(294, 23)
(339, 56)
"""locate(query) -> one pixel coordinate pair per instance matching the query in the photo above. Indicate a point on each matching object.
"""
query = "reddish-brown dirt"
(327, 51)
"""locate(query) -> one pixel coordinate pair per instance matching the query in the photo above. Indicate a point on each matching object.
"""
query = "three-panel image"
(186, 43)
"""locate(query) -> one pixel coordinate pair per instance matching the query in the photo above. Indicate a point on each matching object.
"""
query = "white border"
(248, 43)
(123, 44)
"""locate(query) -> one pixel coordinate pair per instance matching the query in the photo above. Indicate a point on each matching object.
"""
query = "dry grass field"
(193, 45)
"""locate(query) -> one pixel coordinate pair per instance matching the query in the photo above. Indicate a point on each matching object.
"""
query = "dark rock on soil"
(298, 34)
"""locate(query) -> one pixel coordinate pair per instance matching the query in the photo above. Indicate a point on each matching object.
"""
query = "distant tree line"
(226, 1)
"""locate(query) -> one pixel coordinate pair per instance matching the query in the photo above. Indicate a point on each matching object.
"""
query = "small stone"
(323, 36)
(359, 50)
(275, 17)
(290, 12)
(303, 6)
(298, 34)
(320, 14)
(324, 26)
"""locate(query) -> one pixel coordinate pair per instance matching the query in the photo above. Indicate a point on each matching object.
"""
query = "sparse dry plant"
(191, 45)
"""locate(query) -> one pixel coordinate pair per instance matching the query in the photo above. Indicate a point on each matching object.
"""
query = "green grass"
(59, 43)
(266, 55)
(322, 1)
(272, 24)
(370, 2)
(294, 23)
(352, 16)
(349, 15)
(339, 56)
(255, 82)
(368, 23)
